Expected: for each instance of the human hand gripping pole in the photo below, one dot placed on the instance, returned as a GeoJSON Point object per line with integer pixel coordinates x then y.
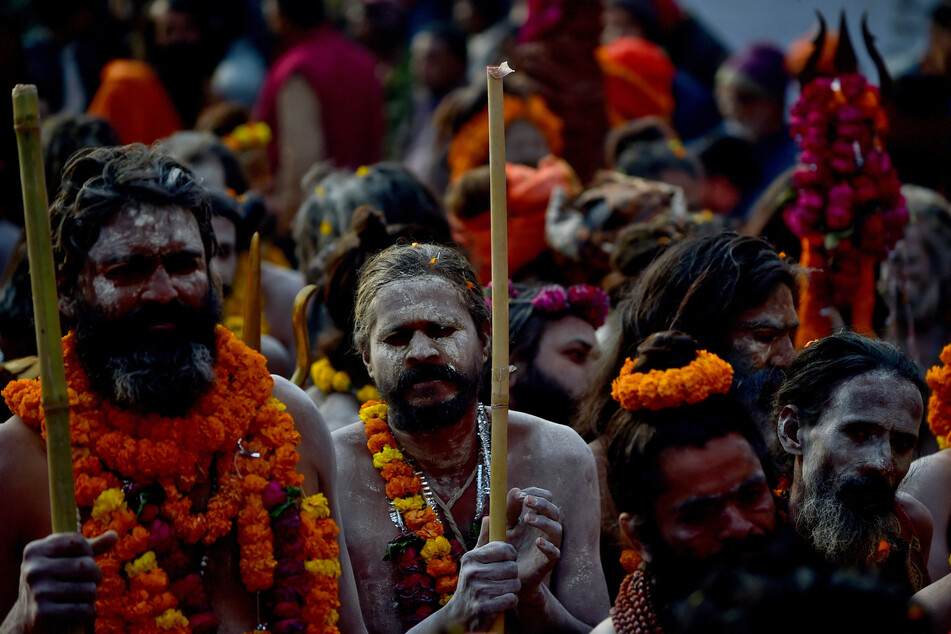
{"type": "Point", "coordinates": [500, 310]}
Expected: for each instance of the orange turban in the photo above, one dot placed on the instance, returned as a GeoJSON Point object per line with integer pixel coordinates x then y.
{"type": "Point", "coordinates": [638, 79]}
{"type": "Point", "coordinates": [528, 191]}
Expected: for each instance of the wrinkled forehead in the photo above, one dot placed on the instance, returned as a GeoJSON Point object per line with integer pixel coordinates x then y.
{"type": "Point", "coordinates": [422, 298]}
{"type": "Point", "coordinates": [879, 397]}
{"type": "Point", "coordinates": [144, 229]}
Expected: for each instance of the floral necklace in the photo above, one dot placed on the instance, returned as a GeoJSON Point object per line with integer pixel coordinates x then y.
{"type": "Point", "coordinates": [427, 563]}
{"type": "Point", "coordinates": [137, 474]}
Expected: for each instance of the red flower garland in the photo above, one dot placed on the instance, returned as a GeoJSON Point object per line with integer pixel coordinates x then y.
{"type": "Point", "coordinates": [133, 474]}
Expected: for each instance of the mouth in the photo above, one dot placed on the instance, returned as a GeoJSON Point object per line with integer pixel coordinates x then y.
{"type": "Point", "coordinates": [433, 390]}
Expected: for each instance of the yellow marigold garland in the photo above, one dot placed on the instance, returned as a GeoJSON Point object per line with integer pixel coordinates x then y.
{"type": "Point", "coordinates": [439, 556]}
{"type": "Point", "coordinates": [161, 460]}
{"type": "Point", "coordinates": [939, 403]}
{"type": "Point", "coordinates": [658, 389]}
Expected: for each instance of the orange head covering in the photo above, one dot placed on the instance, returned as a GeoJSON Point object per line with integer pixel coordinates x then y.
{"type": "Point", "coordinates": [528, 191]}
{"type": "Point", "coordinates": [638, 79]}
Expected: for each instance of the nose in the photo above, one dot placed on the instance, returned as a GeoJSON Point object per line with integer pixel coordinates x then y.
{"type": "Point", "coordinates": [880, 458]}
{"type": "Point", "coordinates": [783, 352]}
{"type": "Point", "coordinates": [159, 287]}
{"type": "Point", "coordinates": [421, 348]}
{"type": "Point", "coordinates": [734, 524]}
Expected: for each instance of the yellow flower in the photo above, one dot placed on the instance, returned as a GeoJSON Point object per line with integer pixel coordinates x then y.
{"type": "Point", "coordinates": [373, 411]}
{"type": "Point", "coordinates": [325, 567]}
{"type": "Point", "coordinates": [108, 501]}
{"type": "Point", "coordinates": [341, 382]}
{"type": "Point", "coordinates": [315, 506]}
{"type": "Point", "coordinates": [276, 404]}
{"type": "Point", "coordinates": [389, 454]}
{"type": "Point", "coordinates": [444, 599]}
{"type": "Point", "coordinates": [438, 547]}
{"type": "Point", "coordinates": [322, 373]}
{"type": "Point", "coordinates": [326, 228]}
{"type": "Point", "coordinates": [412, 503]}
{"type": "Point", "coordinates": [332, 618]}
{"type": "Point", "coordinates": [171, 619]}
{"type": "Point", "coordinates": [144, 563]}
{"type": "Point", "coordinates": [368, 393]}
{"type": "Point", "coordinates": [362, 171]}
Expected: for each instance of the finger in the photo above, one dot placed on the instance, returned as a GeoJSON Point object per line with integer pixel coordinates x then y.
{"type": "Point", "coordinates": [514, 504]}
{"type": "Point", "coordinates": [537, 492]}
{"type": "Point", "coordinates": [496, 572]}
{"type": "Point", "coordinates": [58, 545]}
{"type": "Point", "coordinates": [551, 552]}
{"type": "Point", "coordinates": [74, 569]}
{"type": "Point", "coordinates": [65, 613]}
{"type": "Point", "coordinates": [491, 553]}
{"type": "Point", "coordinates": [550, 527]}
{"type": "Point", "coordinates": [483, 532]}
{"type": "Point", "coordinates": [69, 592]}
{"type": "Point", "coordinates": [103, 543]}
{"type": "Point", "coordinates": [543, 507]}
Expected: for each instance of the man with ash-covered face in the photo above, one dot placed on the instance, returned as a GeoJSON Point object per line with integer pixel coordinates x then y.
{"type": "Point", "coordinates": [168, 412]}
{"type": "Point", "coordinates": [849, 414]}
{"type": "Point", "coordinates": [422, 327]}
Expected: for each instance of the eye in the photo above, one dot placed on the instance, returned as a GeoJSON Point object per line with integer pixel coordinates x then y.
{"type": "Point", "coordinates": [766, 336]}
{"type": "Point", "coordinates": [397, 338]}
{"type": "Point", "coordinates": [181, 264]}
{"type": "Point", "coordinates": [437, 332]}
{"type": "Point", "coordinates": [577, 355]}
{"type": "Point", "coordinates": [904, 443]}
{"type": "Point", "coordinates": [750, 495]}
{"type": "Point", "coordinates": [129, 270]}
{"type": "Point", "coordinates": [700, 513]}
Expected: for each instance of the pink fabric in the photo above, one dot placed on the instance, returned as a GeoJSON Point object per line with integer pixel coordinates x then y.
{"type": "Point", "coordinates": [343, 76]}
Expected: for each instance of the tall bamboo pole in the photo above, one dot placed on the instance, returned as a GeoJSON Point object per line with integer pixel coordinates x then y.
{"type": "Point", "coordinates": [251, 328]}
{"type": "Point", "coordinates": [45, 309]}
{"type": "Point", "coordinates": [500, 310]}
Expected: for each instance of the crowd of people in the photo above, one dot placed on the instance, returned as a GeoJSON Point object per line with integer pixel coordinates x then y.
{"type": "Point", "coordinates": [729, 361]}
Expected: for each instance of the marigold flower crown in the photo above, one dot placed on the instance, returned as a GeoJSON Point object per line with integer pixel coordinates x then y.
{"type": "Point", "coordinates": [707, 374]}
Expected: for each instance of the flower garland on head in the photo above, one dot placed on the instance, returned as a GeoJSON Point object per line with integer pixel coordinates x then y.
{"type": "Point", "coordinates": [658, 389]}
{"type": "Point", "coordinates": [939, 403]}
{"type": "Point", "coordinates": [427, 563]}
{"type": "Point", "coordinates": [848, 209]}
{"type": "Point", "coordinates": [328, 380]}
{"type": "Point", "coordinates": [590, 303]}
{"type": "Point", "coordinates": [136, 473]}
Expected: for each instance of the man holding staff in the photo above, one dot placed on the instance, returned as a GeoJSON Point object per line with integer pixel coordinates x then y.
{"type": "Point", "coordinates": [198, 475]}
{"type": "Point", "coordinates": [415, 470]}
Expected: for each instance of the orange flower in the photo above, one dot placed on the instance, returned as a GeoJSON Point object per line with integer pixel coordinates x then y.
{"type": "Point", "coordinates": [707, 374]}
{"type": "Point", "coordinates": [441, 566]}
{"type": "Point", "coordinates": [447, 585]}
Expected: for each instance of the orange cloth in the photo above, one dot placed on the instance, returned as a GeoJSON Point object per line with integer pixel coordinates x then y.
{"type": "Point", "coordinates": [528, 191]}
{"type": "Point", "coordinates": [133, 99]}
{"type": "Point", "coordinates": [638, 79]}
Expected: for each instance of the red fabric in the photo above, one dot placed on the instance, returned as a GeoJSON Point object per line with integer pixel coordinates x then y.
{"type": "Point", "coordinates": [133, 99]}
{"type": "Point", "coordinates": [528, 191]}
{"type": "Point", "coordinates": [343, 76]}
{"type": "Point", "coordinates": [638, 79]}
{"type": "Point", "coordinates": [917, 566]}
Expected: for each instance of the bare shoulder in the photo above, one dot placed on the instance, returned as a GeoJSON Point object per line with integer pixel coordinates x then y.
{"type": "Point", "coordinates": [350, 443]}
{"type": "Point", "coordinates": [919, 515]}
{"type": "Point", "coordinates": [282, 280]}
{"type": "Point", "coordinates": [554, 441]}
{"type": "Point", "coordinates": [316, 448]}
{"type": "Point", "coordinates": [22, 455]}
{"type": "Point", "coordinates": [926, 479]}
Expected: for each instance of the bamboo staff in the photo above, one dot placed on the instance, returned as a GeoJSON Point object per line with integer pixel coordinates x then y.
{"type": "Point", "coordinates": [251, 328]}
{"type": "Point", "coordinates": [301, 337]}
{"type": "Point", "coordinates": [45, 309]}
{"type": "Point", "coordinates": [500, 310]}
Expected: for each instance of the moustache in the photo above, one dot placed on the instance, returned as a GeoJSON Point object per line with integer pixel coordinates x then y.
{"type": "Point", "coordinates": [424, 373]}
{"type": "Point", "coordinates": [869, 494]}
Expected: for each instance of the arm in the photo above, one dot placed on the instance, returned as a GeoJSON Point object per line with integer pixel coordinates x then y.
{"type": "Point", "coordinates": [50, 582]}
{"type": "Point", "coordinates": [319, 468]}
{"type": "Point", "coordinates": [926, 483]}
{"type": "Point", "coordinates": [301, 143]}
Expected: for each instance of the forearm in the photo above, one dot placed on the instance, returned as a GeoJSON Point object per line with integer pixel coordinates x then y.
{"type": "Point", "coordinates": [543, 612]}
{"type": "Point", "coordinates": [15, 621]}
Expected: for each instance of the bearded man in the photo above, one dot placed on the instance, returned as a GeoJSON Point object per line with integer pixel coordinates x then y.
{"type": "Point", "coordinates": [849, 414]}
{"type": "Point", "coordinates": [192, 464]}
{"type": "Point", "coordinates": [415, 472]}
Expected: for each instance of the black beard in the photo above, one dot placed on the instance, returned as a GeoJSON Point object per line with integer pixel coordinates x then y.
{"type": "Point", "coordinates": [846, 523]}
{"type": "Point", "coordinates": [411, 418]}
{"type": "Point", "coordinates": [538, 394]}
{"type": "Point", "coordinates": [148, 371]}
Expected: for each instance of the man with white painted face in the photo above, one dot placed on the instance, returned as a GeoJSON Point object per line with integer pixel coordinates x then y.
{"type": "Point", "coordinates": [416, 470]}
{"type": "Point", "coordinates": [197, 473]}
{"type": "Point", "coordinates": [849, 414]}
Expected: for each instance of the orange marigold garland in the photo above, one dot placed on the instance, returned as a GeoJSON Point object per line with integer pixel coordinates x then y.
{"type": "Point", "coordinates": [658, 389]}
{"type": "Point", "coordinates": [427, 562]}
{"type": "Point", "coordinates": [939, 403]}
{"type": "Point", "coordinates": [134, 474]}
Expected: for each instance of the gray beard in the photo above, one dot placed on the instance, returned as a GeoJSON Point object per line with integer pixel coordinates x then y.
{"type": "Point", "coordinates": [838, 532]}
{"type": "Point", "coordinates": [135, 382]}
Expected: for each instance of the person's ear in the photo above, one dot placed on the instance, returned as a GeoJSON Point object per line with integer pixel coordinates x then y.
{"type": "Point", "coordinates": [485, 334]}
{"type": "Point", "coordinates": [789, 428]}
{"type": "Point", "coordinates": [365, 353]}
{"type": "Point", "coordinates": [630, 533]}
